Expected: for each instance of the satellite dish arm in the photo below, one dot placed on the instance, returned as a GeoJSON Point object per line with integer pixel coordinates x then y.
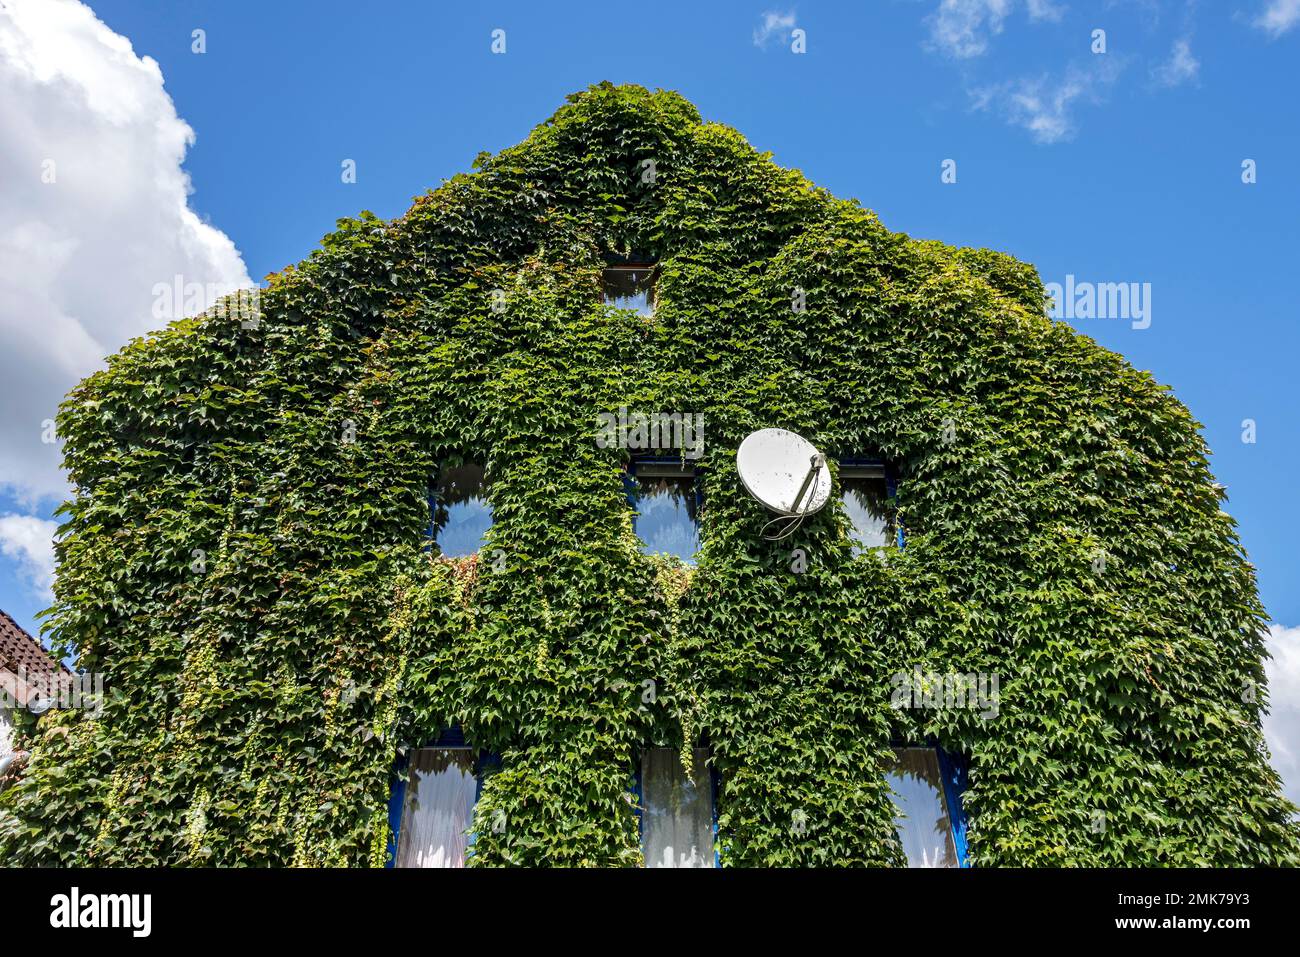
{"type": "Point", "coordinates": [815, 465]}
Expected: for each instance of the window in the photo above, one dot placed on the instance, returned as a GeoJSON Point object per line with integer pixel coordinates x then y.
{"type": "Point", "coordinates": [437, 808]}
{"type": "Point", "coordinates": [864, 490]}
{"type": "Point", "coordinates": [926, 786]}
{"type": "Point", "coordinates": [677, 812]}
{"type": "Point", "coordinates": [462, 513]}
{"type": "Point", "coordinates": [630, 286]}
{"type": "Point", "coordinates": [666, 497]}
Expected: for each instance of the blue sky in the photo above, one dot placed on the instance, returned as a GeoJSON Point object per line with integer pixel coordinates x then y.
{"type": "Point", "coordinates": [1123, 166]}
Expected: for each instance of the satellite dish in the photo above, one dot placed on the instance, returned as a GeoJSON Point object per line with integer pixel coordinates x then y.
{"type": "Point", "coordinates": [785, 472]}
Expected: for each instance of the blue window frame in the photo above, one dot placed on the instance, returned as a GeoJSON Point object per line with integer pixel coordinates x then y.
{"type": "Point", "coordinates": [666, 495]}
{"type": "Point", "coordinates": [677, 816]}
{"type": "Point", "coordinates": [431, 806]}
{"type": "Point", "coordinates": [460, 513]}
{"type": "Point", "coordinates": [954, 770]}
{"type": "Point", "coordinates": [926, 784]}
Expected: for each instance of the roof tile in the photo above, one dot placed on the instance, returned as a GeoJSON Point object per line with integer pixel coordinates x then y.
{"type": "Point", "coordinates": [18, 650]}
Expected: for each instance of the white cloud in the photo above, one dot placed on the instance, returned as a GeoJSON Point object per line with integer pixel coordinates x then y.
{"type": "Point", "coordinates": [1282, 723]}
{"type": "Point", "coordinates": [1180, 67]}
{"type": "Point", "coordinates": [82, 254]}
{"type": "Point", "coordinates": [1279, 16]}
{"type": "Point", "coordinates": [961, 28]}
{"type": "Point", "coordinates": [774, 24]}
{"type": "Point", "coordinates": [1045, 10]}
{"type": "Point", "coordinates": [29, 541]}
{"type": "Point", "coordinates": [1045, 105]}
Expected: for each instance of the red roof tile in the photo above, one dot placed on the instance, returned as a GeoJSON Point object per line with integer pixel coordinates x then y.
{"type": "Point", "coordinates": [20, 650]}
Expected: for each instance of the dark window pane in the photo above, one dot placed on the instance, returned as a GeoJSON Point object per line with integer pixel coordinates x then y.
{"type": "Point", "coordinates": [439, 808]}
{"type": "Point", "coordinates": [677, 812]}
{"type": "Point", "coordinates": [923, 822]}
{"type": "Point", "coordinates": [463, 513]}
{"type": "Point", "coordinates": [866, 500]}
{"type": "Point", "coordinates": [630, 287]}
{"type": "Point", "coordinates": [666, 519]}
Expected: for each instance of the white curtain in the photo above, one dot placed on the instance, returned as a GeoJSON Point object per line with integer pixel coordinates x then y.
{"type": "Point", "coordinates": [439, 808]}
{"type": "Point", "coordinates": [677, 811]}
{"type": "Point", "coordinates": [6, 732]}
{"type": "Point", "coordinates": [865, 501]}
{"type": "Point", "coordinates": [923, 823]}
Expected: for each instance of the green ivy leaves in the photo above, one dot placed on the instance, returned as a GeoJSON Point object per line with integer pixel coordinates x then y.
{"type": "Point", "coordinates": [258, 705]}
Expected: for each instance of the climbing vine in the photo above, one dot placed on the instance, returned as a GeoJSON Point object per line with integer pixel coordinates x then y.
{"type": "Point", "coordinates": [246, 561]}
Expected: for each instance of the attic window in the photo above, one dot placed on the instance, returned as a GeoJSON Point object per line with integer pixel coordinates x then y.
{"type": "Point", "coordinates": [630, 286]}
{"type": "Point", "coordinates": [865, 494]}
{"type": "Point", "coordinates": [462, 513]}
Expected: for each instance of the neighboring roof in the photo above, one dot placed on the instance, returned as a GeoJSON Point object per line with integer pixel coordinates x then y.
{"type": "Point", "coordinates": [20, 650]}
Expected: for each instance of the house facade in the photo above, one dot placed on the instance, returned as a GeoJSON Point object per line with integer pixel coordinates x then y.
{"type": "Point", "coordinates": [420, 566]}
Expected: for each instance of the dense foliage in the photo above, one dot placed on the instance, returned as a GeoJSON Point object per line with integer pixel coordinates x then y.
{"type": "Point", "coordinates": [246, 558]}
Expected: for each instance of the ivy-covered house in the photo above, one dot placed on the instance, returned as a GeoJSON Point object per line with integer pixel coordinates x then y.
{"type": "Point", "coordinates": [441, 557]}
